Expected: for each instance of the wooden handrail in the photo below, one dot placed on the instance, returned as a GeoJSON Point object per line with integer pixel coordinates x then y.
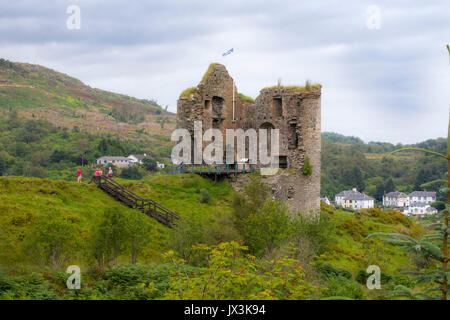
{"type": "Point", "coordinates": [147, 206]}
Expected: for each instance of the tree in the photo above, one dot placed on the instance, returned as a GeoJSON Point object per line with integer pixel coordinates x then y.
{"type": "Point", "coordinates": [389, 186]}
{"type": "Point", "coordinates": [354, 178]}
{"type": "Point", "coordinates": [421, 178]}
{"type": "Point", "coordinates": [52, 240]}
{"type": "Point", "coordinates": [138, 229]}
{"type": "Point", "coordinates": [263, 223]}
{"type": "Point", "coordinates": [149, 164]}
{"type": "Point", "coordinates": [132, 173]}
{"type": "Point", "coordinates": [267, 228]}
{"type": "Point", "coordinates": [109, 236]}
{"type": "Point", "coordinates": [379, 188]}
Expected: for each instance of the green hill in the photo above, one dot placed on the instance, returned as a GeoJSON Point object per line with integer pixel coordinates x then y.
{"type": "Point", "coordinates": [348, 162]}
{"type": "Point", "coordinates": [340, 254]}
{"type": "Point", "coordinates": [38, 92]}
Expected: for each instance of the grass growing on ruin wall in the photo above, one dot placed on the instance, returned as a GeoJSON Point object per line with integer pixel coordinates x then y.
{"type": "Point", "coordinates": [245, 98]}
{"type": "Point", "coordinates": [307, 87]}
{"type": "Point", "coordinates": [186, 93]}
{"type": "Point", "coordinates": [210, 70]}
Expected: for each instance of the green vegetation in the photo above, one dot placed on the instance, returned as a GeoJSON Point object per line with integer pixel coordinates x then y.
{"type": "Point", "coordinates": [210, 70]}
{"type": "Point", "coordinates": [71, 223]}
{"type": "Point", "coordinates": [348, 162]}
{"type": "Point", "coordinates": [307, 87]}
{"type": "Point", "coordinates": [307, 167]}
{"type": "Point", "coordinates": [245, 98]}
{"type": "Point", "coordinates": [187, 93]}
{"type": "Point", "coordinates": [431, 246]}
{"type": "Point", "coordinates": [32, 87]}
{"type": "Point", "coordinates": [36, 148]}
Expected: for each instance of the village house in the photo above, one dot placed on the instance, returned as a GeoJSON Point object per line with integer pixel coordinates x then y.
{"type": "Point", "coordinates": [415, 203]}
{"type": "Point", "coordinates": [419, 209]}
{"type": "Point", "coordinates": [354, 199]}
{"type": "Point", "coordinates": [421, 197]}
{"type": "Point", "coordinates": [160, 165]}
{"type": "Point", "coordinates": [119, 162]}
{"type": "Point", "coordinates": [395, 199]}
{"type": "Point", "coordinates": [137, 158]}
{"type": "Point", "coordinates": [326, 200]}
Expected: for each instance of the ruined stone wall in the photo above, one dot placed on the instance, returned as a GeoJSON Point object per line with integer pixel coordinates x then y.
{"type": "Point", "coordinates": [294, 111]}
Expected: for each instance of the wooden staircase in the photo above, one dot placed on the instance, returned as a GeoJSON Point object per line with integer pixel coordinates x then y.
{"type": "Point", "coordinates": [147, 206]}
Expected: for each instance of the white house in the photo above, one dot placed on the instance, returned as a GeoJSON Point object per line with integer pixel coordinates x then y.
{"type": "Point", "coordinates": [421, 197]}
{"type": "Point", "coordinates": [419, 209]}
{"type": "Point", "coordinates": [395, 199]}
{"type": "Point", "coordinates": [326, 200]}
{"type": "Point", "coordinates": [354, 199]}
{"type": "Point", "coordinates": [160, 165]}
{"type": "Point", "coordinates": [137, 158]}
{"type": "Point", "coordinates": [119, 162]}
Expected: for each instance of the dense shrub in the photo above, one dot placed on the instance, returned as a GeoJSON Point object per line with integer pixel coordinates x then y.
{"type": "Point", "coordinates": [132, 173]}
{"type": "Point", "coordinates": [328, 271]}
{"type": "Point", "coordinates": [205, 197]}
{"type": "Point", "coordinates": [355, 228]}
{"type": "Point", "coordinates": [30, 287]}
{"type": "Point", "coordinates": [342, 287]}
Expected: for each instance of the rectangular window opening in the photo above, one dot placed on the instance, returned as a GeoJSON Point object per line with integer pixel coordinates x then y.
{"type": "Point", "coordinates": [277, 107]}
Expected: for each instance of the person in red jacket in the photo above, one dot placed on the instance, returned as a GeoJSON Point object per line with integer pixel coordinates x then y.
{"type": "Point", "coordinates": [79, 174]}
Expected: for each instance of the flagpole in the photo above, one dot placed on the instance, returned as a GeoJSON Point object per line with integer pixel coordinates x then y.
{"type": "Point", "coordinates": [224, 55]}
{"type": "Point", "coordinates": [233, 99]}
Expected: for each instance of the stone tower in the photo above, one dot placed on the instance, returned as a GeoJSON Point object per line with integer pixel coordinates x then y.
{"type": "Point", "coordinates": [294, 110]}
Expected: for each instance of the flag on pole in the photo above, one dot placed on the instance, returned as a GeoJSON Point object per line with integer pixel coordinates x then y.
{"type": "Point", "coordinates": [228, 52]}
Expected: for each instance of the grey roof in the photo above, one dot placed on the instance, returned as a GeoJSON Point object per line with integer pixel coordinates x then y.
{"type": "Point", "coordinates": [353, 195]}
{"type": "Point", "coordinates": [395, 194]}
{"type": "Point", "coordinates": [113, 158]}
{"type": "Point", "coordinates": [422, 194]}
{"type": "Point", "coordinates": [344, 193]}
{"type": "Point", "coordinates": [139, 156]}
{"type": "Point", "coordinates": [431, 209]}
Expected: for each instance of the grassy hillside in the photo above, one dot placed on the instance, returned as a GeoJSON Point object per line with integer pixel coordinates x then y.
{"type": "Point", "coordinates": [36, 148]}
{"type": "Point", "coordinates": [39, 92]}
{"type": "Point", "coordinates": [24, 200]}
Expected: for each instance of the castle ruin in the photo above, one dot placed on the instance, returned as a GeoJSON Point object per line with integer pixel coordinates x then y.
{"type": "Point", "coordinates": [294, 110]}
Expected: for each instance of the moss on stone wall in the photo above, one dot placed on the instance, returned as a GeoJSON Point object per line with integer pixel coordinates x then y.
{"type": "Point", "coordinates": [210, 70]}
{"type": "Point", "coordinates": [245, 98]}
{"type": "Point", "coordinates": [307, 87]}
{"type": "Point", "coordinates": [307, 167]}
{"type": "Point", "coordinates": [186, 93]}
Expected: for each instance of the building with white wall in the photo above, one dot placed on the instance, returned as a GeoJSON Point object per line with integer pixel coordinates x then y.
{"type": "Point", "coordinates": [395, 199]}
{"type": "Point", "coordinates": [421, 197]}
{"type": "Point", "coordinates": [419, 209]}
{"type": "Point", "coordinates": [119, 162]}
{"type": "Point", "coordinates": [354, 199]}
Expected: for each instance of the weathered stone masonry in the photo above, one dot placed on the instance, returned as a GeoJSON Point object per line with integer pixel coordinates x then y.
{"type": "Point", "coordinates": [295, 111]}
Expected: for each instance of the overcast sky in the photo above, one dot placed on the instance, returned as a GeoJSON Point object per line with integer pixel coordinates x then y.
{"type": "Point", "coordinates": [383, 79]}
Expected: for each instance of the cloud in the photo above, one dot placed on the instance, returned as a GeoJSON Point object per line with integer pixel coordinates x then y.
{"type": "Point", "coordinates": [389, 84]}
